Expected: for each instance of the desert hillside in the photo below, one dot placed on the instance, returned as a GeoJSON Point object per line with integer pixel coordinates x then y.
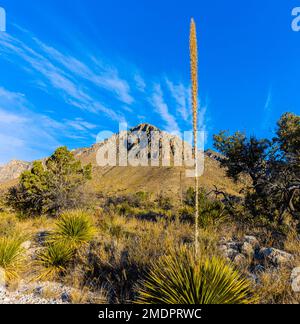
{"type": "Point", "coordinates": [74, 232]}
{"type": "Point", "coordinates": [169, 180]}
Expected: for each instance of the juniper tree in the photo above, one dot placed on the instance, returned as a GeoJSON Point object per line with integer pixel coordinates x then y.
{"type": "Point", "coordinates": [272, 168]}
{"type": "Point", "coordinates": [50, 187]}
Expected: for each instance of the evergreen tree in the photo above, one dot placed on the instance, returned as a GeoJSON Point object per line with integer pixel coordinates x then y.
{"type": "Point", "coordinates": [51, 187]}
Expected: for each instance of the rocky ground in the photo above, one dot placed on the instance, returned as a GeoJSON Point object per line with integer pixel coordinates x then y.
{"type": "Point", "coordinates": [246, 253]}
{"type": "Point", "coordinates": [46, 293]}
{"type": "Point", "coordinates": [249, 254]}
{"type": "Point", "coordinates": [16, 298]}
{"type": "Point", "coordinates": [37, 293]}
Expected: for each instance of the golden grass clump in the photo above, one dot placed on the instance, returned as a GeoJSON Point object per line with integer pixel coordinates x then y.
{"type": "Point", "coordinates": [11, 256]}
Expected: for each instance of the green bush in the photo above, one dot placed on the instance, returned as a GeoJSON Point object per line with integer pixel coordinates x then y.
{"type": "Point", "coordinates": [164, 202]}
{"type": "Point", "coordinates": [74, 228]}
{"type": "Point", "coordinates": [211, 212]}
{"type": "Point", "coordinates": [180, 279]}
{"type": "Point", "coordinates": [187, 214]}
{"type": "Point", "coordinates": [271, 168]}
{"type": "Point", "coordinates": [51, 187]}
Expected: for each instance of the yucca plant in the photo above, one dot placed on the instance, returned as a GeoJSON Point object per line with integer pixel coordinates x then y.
{"type": "Point", "coordinates": [74, 228]}
{"type": "Point", "coordinates": [54, 260]}
{"type": "Point", "coordinates": [11, 256]}
{"type": "Point", "coordinates": [180, 279]}
{"type": "Point", "coordinates": [194, 77]}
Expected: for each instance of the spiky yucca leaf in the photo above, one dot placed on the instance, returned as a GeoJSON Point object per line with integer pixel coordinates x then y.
{"type": "Point", "coordinates": [54, 260]}
{"type": "Point", "coordinates": [74, 228]}
{"type": "Point", "coordinates": [11, 256]}
{"type": "Point", "coordinates": [179, 279]}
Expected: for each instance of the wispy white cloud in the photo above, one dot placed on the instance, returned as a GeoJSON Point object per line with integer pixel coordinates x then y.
{"type": "Point", "coordinates": [269, 99]}
{"type": "Point", "coordinates": [267, 111]}
{"type": "Point", "coordinates": [89, 83]}
{"type": "Point", "coordinates": [27, 135]}
{"type": "Point", "coordinates": [105, 77]}
{"type": "Point", "coordinates": [80, 124]}
{"type": "Point", "coordinates": [182, 96]}
{"type": "Point", "coordinates": [140, 82]}
{"type": "Point", "coordinates": [10, 96]}
{"type": "Point", "coordinates": [8, 118]}
{"type": "Point", "coordinates": [22, 134]}
{"type": "Point", "coordinates": [203, 119]}
{"type": "Point", "coordinates": [53, 69]}
{"type": "Point", "coordinates": [162, 109]}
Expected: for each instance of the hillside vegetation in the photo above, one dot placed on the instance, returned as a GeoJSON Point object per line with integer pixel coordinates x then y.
{"type": "Point", "coordinates": [72, 232]}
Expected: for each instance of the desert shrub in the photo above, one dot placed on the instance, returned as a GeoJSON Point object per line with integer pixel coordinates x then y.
{"type": "Point", "coordinates": [3, 206]}
{"type": "Point", "coordinates": [51, 187]}
{"type": "Point", "coordinates": [74, 228]}
{"type": "Point", "coordinates": [180, 279]}
{"type": "Point", "coordinates": [209, 240]}
{"type": "Point", "coordinates": [152, 214]}
{"type": "Point", "coordinates": [125, 209]}
{"type": "Point", "coordinates": [127, 204]}
{"type": "Point", "coordinates": [189, 199]}
{"type": "Point", "coordinates": [164, 202]}
{"type": "Point", "coordinates": [155, 215]}
{"type": "Point", "coordinates": [187, 214]}
{"type": "Point", "coordinates": [117, 227]}
{"type": "Point", "coordinates": [142, 196]}
{"type": "Point", "coordinates": [211, 211]}
{"type": "Point", "coordinates": [54, 260]}
{"type": "Point", "coordinates": [11, 256]}
{"type": "Point", "coordinates": [124, 249]}
{"type": "Point", "coordinates": [271, 168]}
{"type": "Point", "coordinates": [107, 266]}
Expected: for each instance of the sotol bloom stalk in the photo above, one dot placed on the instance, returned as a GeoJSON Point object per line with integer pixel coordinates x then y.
{"type": "Point", "coordinates": [194, 76]}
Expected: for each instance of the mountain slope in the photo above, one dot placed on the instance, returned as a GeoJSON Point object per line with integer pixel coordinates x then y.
{"type": "Point", "coordinates": [13, 170]}
{"type": "Point", "coordinates": [170, 180]}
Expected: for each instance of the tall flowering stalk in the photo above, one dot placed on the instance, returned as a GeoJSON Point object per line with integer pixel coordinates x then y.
{"type": "Point", "coordinates": [194, 76]}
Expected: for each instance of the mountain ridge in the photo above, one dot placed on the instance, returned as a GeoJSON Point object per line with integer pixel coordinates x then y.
{"type": "Point", "coordinates": [13, 169]}
{"type": "Point", "coordinates": [111, 179]}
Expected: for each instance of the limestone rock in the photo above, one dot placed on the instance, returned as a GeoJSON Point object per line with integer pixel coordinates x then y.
{"type": "Point", "coordinates": [26, 245]}
{"type": "Point", "coordinates": [230, 253]}
{"type": "Point", "coordinates": [252, 240]}
{"type": "Point", "coordinates": [240, 260]}
{"type": "Point", "coordinates": [13, 170]}
{"type": "Point", "coordinates": [2, 280]}
{"type": "Point", "coordinates": [247, 250]}
{"type": "Point", "coordinates": [274, 256]}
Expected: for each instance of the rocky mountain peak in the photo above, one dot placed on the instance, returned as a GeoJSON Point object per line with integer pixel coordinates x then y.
{"type": "Point", "coordinates": [144, 128]}
{"type": "Point", "coordinates": [13, 170]}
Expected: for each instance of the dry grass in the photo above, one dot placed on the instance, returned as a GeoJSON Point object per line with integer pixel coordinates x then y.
{"type": "Point", "coordinates": [119, 256]}
{"type": "Point", "coordinates": [275, 287]}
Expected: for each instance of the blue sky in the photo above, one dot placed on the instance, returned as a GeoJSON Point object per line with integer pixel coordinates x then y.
{"type": "Point", "coordinates": [70, 69]}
